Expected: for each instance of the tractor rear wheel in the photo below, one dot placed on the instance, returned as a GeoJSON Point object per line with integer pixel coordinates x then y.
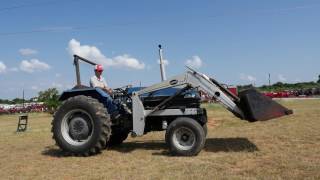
{"type": "Point", "coordinates": [81, 126]}
{"type": "Point", "coordinates": [205, 129]}
{"type": "Point", "coordinates": [185, 137]}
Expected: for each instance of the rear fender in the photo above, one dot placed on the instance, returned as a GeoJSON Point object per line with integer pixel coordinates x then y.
{"type": "Point", "coordinates": [96, 93]}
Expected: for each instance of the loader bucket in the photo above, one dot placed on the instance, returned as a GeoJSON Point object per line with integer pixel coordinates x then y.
{"type": "Point", "coordinates": [258, 107]}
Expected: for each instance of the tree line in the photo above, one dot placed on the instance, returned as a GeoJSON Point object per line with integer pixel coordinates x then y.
{"type": "Point", "coordinates": [49, 97]}
{"type": "Point", "coordinates": [280, 86]}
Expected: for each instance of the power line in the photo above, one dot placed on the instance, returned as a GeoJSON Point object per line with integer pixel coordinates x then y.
{"type": "Point", "coordinates": [54, 29]}
{"type": "Point", "coordinates": [28, 32]}
{"type": "Point", "coordinates": [71, 29]}
{"type": "Point", "coordinates": [33, 4]}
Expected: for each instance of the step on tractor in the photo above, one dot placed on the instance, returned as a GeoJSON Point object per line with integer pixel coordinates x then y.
{"type": "Point", "coordinates": [90, 120]}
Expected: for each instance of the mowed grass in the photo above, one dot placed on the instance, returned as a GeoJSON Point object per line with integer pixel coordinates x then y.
{"type": "Point", "coordinates": [285, 148]}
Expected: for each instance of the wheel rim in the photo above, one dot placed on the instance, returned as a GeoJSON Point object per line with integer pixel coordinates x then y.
{"type": "Point", "coordinates": [184, 138]}
{"type": "Point", "coordinates": [77, 127]}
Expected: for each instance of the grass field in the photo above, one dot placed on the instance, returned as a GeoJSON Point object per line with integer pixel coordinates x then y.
{"type": "Point", "coordinates": [285, 148]}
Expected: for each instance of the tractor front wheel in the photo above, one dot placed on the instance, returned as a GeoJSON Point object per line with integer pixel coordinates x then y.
{"type": "Point", "coordinates": [185, 137]}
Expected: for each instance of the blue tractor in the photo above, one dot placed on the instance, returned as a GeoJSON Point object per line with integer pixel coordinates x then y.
{"type": "Point", "coordinates": [89, 119]}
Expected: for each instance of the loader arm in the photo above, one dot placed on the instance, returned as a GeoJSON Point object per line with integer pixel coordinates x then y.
{"type": "Point", "coordinates": [192, 79]}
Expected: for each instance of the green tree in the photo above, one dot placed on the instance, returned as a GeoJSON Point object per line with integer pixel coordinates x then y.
{"type": "Point", "coordinates": [18, 101]}
{"type": "Point", "coordinates": [5, 101]}
{"type": "Point", "coordinates": [50, 97]}
{"type": "Point", "coordinates": [318, 79]}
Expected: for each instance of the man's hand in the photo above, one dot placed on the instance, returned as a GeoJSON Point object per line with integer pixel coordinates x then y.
{"type": "Point", "coordinates": [108, 90]}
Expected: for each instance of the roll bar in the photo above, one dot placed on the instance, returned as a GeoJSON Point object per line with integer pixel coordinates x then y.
{"type": "Point", "coordinates": [77, 67]}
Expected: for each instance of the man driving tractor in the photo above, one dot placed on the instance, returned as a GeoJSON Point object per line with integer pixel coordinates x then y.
{"type": "Point", "coordinates": [98, 81]}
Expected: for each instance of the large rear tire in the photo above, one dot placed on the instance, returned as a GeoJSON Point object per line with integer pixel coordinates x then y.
{"type": "Point", "coordinates": [205, 129]}
{"type": "Point", "coordinates": [185, 137]}
{"type": "Point", "coordinates": [81, 126]}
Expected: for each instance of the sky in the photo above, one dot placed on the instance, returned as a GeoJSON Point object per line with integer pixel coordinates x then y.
{"type": "Point", "coordinates": [235, 42]}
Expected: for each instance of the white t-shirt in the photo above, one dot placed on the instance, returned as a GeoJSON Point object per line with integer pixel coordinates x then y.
{"type": "Point", "coordinates": [95, 82]}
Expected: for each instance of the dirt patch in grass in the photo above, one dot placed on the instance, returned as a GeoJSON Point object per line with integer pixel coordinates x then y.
{"type": "Point", "coordinates": [285, 148]}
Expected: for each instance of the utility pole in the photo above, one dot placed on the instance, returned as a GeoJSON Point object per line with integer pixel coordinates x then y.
{"type": "Point", "coordinates": [162, 70]}
{"type": "Point", "coordinates": [23, 98]}
{"type": "Point", "coordinates": [269, 80]}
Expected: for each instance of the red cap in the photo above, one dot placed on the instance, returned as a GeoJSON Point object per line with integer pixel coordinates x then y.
{"type": "Point", "coordinates": [98, 68]}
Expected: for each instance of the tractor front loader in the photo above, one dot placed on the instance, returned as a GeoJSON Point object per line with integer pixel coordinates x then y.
{"type": "Point", "coordinates": [86, 122]}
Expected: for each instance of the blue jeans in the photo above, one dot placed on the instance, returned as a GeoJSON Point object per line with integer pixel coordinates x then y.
{"type": "Point", "coordinates": [107, 101]}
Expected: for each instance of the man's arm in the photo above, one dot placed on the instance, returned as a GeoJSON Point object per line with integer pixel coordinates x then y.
{"type": "Point", "coordinates": [95, 84]}
{"type": "Point", "coordinates": [109, 90]}
{"type": "Point", "coordinates": [92, 83]}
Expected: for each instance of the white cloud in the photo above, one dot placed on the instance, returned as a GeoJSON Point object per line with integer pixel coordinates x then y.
{"type": "Point", "coordinates": [58, 75]}
{"type": "Point", "coordinates": [251, 78]}
{"type": "Point", "coordinates": [14, 69]}
{"type": "Point", "coordinates": [194, 62]}
{"type": "Point", "coordinates": [27, 51]}
{"type": "Point", "coordinates": [165, 62]}
{"type": "Point", "coordinates": [127, 61]}
{"type": "Point", "coordinates": [57, 28]}
{"type": "Point", "coordinates": [93, 53]}
{"type": "Point", "coordinates": [57, 85]}
{"type": "Point", "coordinates": [33, 65]}
{"type": "Point", "coordinates": [3, 67]}
{"type": "Point", "coordinates": [297, 80]}
{"type": "Point", "coordinates": [247, 77]}
{"type": "Point", "coordinates": [34, 88]}
{"type": "Point", "coordinates": [61, 86]}
{"type": "Point", "coordinates": [281, 78]}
